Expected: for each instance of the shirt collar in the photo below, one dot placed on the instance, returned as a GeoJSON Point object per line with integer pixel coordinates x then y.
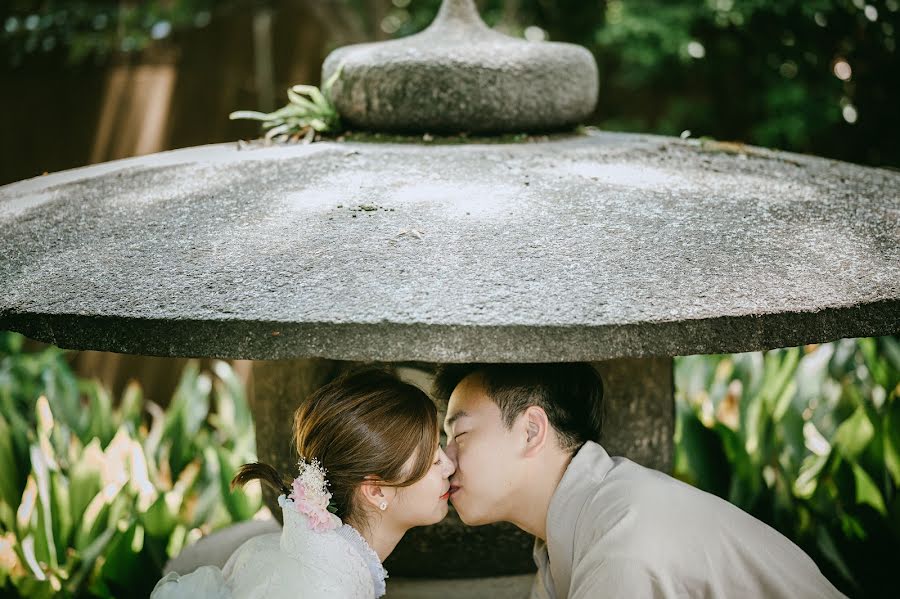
{"type": "Point", "coordinates": [587, 469]}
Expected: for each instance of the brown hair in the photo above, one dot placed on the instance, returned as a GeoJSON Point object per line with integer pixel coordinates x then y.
{"type": "Point", "coordinates": [363, 423]}
{"type": "Point", "coordinates": [571, 394]}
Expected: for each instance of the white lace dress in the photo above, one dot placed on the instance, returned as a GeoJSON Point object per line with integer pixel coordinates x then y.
{"type": "Point", "coordinates": [296, 563]}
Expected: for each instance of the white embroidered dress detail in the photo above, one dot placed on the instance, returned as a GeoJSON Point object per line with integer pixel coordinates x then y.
{"type": "Point", "coordinates": [315, 556]}
{"type": "Point", "coordinates": [376, 569]}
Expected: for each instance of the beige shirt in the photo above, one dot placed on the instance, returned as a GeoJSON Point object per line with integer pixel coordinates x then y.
{"type": "Point", "coordinates": [617, 529]}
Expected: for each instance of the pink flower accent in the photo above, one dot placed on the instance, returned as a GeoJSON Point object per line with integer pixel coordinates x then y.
{"type": "Point", "coordinates": [310, 496]}
{"type": "Point", "coordinates": [299, 491]}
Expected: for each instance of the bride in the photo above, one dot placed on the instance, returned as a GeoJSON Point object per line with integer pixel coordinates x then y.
{"type": "Point", "coordinates": [371, 467]}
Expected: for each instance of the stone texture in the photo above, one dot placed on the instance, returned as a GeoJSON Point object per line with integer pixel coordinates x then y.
{"type": "Point", "coordinates": [450, 549]}
{"type": "Point", "coordinates": [499, 587]}
{"type": "Point", "coordinates": [460, 75]}
{"type": "Point", "coordinates": [586, 247]}
{"type": "Point", "coordinates": [279, 386]}
{"type": "Point", "coordinates": [639, 410]}
{"type": "Point", "coordinates": [639, 425]}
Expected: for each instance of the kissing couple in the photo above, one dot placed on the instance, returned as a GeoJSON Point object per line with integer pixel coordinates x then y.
{"type": "Point", "coordinates": [523, 445]}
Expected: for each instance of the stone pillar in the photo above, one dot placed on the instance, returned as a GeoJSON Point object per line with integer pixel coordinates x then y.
{"type": "Point", "coordinates": [640, 410]}
{"type": "Point", "coordinates": [278, 388]}
{"type": "Point", "coordinates": [639, 425]}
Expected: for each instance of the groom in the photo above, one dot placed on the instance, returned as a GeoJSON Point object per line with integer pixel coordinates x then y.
{"type": "Point", "coordinates": [524, 440]}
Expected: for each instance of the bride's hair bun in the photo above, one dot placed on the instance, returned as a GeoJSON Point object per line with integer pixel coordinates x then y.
{"type": "Point", "coordinates": [364, 423]}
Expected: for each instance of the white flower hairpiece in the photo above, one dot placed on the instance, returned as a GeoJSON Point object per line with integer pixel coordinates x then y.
{"type": "Point", "coordinates": [311, 497]}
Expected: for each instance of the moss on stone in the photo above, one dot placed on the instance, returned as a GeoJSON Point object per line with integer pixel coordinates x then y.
{"type": "Point", "coordinates": [460, 138]}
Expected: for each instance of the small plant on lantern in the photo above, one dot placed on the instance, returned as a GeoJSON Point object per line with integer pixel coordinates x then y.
{"type": "Point", "coordinates": [308, 113]}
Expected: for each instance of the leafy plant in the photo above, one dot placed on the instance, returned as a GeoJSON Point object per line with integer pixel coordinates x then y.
{"type": "Point", "coordinates": [96, 496]}
{"type": "Point", "coordinates": [309, 112]}
{"type": "Point", "coordinates": [808, 440]}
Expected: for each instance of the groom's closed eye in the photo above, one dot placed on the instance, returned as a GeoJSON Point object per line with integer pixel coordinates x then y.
{"type": "Point", "coordinates": [451, 420]}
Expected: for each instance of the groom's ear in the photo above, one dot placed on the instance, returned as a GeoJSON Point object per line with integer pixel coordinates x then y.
{"type": "Point", "coordinates": [537, 430]}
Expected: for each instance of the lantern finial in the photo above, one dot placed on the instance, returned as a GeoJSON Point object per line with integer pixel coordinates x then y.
{"type": "Point", "coordinates": [459, 75]}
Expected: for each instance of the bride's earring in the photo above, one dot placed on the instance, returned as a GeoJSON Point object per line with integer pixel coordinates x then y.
{"type": "Point", "coordinates": [383, 506]}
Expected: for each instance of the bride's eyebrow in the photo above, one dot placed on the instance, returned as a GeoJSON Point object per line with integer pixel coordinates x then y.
{"type": "Point", "coordinates": [448, 423]}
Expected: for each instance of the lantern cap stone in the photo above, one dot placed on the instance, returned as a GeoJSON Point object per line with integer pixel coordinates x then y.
{"type": "Point", "coordinates": [459, 75]}
{"type": "Point", "coordinates": [585, 247]}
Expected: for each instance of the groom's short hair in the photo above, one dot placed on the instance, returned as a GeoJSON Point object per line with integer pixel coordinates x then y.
{"type": "Point", "coordinates": [571, 394]}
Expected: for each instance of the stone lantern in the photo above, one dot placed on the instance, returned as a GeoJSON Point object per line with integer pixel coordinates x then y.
{"type": "Point", "coordinates": [619, 249]}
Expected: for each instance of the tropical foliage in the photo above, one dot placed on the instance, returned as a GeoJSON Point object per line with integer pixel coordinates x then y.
{"type": "Point", "coordinates": [808, 440]}
{"type": "Point", "coordinates": [96, 495]}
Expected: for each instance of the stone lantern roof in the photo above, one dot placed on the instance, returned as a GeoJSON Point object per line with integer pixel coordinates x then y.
{"type": "Point", "coordinates": [586, 246]}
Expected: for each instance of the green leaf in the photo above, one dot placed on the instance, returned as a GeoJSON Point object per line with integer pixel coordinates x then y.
{"type": "Point", "coordinates": [701, 457]}
{"type": "Point", "coordinates": [84, 478]}
{"type": "Point", "coordinates": [826, 545]}
{"type": "Point", "coordinates": [252, 115]}
{"type": "Point", "coordinates": [93, 521]}
{"type": "Point", "coordinates": [302, 102]}
{"type": "Point", "coordinates": [154, 437]}
{"type": "Point", "coordinates": [186, 414]}
{"type": "Point", "coordinates": [329, 83]}
{"type": "Point", "coordinates": [279, 130]}
{"type": "Point", "coordinates": [61, 509]}
{"type": "Point", "coordinates": [891, 438]}
{"type": "Point", "coordinates": [100, 409]}
{"type": "Point", "coordinates": [123, 565]}
{"type": "Point", "coordinates": [32, 558]}
{"type": "Point", "coordinates": [866, 490]}
{"type": "Point", "coordinates": [890, 347]}
{"type": "Point", "coordinates": [131, 405]}
{"type": "Point", "coordinates": [313, 92]}
{"type": "Point", "coordinates": [878, 368]}
{"type": "Point", "coordinates": [238, 504]}
{"type": "Point", "coordinates": [45, 543]}
{"type": "Point", "coordinates": [807, 481]}
{"type": "Point", "coordinates": [232, 419]}
{"type": "Point", "coordinates": [783, 401]}
{"type": "Point", "coordinates": [10, 490]}
{"type": "Point", "coordinates": [197, 403]}
{"type": "Point", "coordinates": [854, 434]}
{"type": "Point", "coordinates": [176, 540]}
{"type": "Point", "coordinates": [160, 519]}
{"type": "Point", "coordinates": [11, 343]}
{"type": "Point", "coordinates": [781, 367]}
{"type": "Point", "coordinates": [87, 558]}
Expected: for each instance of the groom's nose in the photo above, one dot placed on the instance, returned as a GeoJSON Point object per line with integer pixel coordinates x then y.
{"type": "Point", "coordinates": [449, 469]}
{"type": "Point", "coordinates": [450, 452]}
